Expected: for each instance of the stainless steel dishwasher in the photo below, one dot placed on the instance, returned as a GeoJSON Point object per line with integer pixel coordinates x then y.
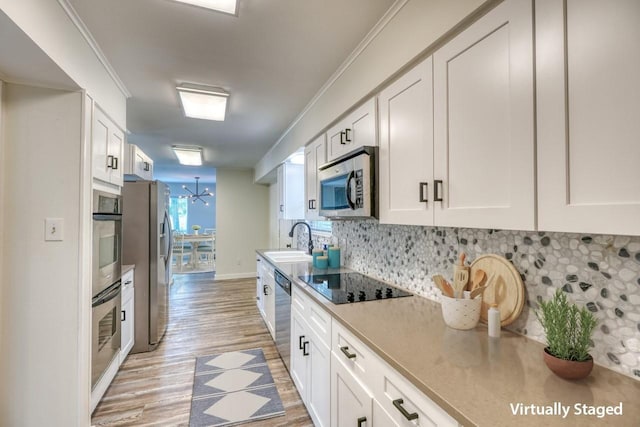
{"type": "Point", "coordinates": [283, 317]}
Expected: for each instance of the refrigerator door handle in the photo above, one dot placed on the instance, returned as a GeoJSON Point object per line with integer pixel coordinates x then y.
{"type": "Point", "coordinates": [167, 258]}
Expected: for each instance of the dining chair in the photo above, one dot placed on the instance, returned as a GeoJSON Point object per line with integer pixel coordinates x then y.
{"type": "Point", "coordinates": [206, 252]}
{"type": "Point", "coordinates": [181, 249]}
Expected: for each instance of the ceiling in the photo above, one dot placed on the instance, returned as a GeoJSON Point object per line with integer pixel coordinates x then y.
{"type": "Point", "coordinates": [272, 58]}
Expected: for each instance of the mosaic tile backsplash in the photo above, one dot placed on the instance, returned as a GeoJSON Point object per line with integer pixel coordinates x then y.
{"type": "Point", "coordinates": [598, 271]}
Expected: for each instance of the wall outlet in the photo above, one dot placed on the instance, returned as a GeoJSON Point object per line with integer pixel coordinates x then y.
{"type": "Point", "coordinates": [54, 229]}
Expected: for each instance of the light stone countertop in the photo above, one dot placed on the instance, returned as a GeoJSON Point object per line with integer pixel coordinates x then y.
{"type": "Point", "coordinates": [126, 269]}
{"type": "Point", "coordinates": [472, 377]}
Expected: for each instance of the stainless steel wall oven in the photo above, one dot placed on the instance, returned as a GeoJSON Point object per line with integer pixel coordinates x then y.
{"type": "Point", "coordinates": [106, 287]}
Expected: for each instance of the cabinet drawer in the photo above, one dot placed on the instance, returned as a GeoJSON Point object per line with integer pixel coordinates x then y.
{"type": "Point", "coordinates": [299, 300]}
{"type": "Point", "coordinates": [356, 356]}
{"type": "Point", "coordinates": [408, 398]}
{"type": "Point", "coordinates": [317, 318]}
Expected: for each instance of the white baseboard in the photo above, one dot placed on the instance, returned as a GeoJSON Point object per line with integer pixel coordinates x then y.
{"type": "Point", "coordinates": [248, 275]}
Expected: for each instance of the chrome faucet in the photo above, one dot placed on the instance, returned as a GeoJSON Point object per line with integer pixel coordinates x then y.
{"type": "Point", "coordinates": [310, 240]}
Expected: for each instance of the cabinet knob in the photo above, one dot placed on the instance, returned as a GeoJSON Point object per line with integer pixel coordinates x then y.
{"type": "Point", "coordinates": [300, 345]}
{"type": "Point", "coordinates": [123, 318]}
{"type": "Point", "coordinates": [361, 421]}
{"type": "Point", "coordinates": [109, 161]}
{"type": "Point", "coordinates": [304, 348]}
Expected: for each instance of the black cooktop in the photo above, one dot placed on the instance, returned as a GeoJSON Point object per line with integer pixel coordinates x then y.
{"type": "Point", "coordinates": [342, 288]}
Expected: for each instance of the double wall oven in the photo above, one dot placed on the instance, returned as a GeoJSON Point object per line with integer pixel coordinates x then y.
{"type": "Point", "coordinates": [106, 286]}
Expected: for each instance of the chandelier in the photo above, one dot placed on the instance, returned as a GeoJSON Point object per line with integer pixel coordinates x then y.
{"type": "Point", "coordinates": [196, 195]}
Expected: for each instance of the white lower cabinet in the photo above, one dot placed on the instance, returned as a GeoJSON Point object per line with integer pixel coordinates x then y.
{"type": "Point", "coordinates": [310, 359]}
{"type": "Point", "coordinates": [266, 294]}
{"type": "Point", "coordinates": [269, 292]}
{"type": "Point", "coordinates": [127, 325]}
{"type": "Point", "coordinates": [351, 402]}
{"type": "Point", "coordinates": [364, 380]}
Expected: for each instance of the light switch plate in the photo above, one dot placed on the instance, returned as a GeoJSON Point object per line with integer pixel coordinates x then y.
{"type": "Point", "coordinates": [54, 229]}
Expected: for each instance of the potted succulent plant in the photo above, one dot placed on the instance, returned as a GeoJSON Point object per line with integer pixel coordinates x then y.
{"type": "Point", "coordinates": [568, 330]}
{"type": "Point", "coordinates": [195, 228]}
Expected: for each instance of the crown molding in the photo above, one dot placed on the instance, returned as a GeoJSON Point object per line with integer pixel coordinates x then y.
{"type": "Point", "coordinates": [86, 34]}
{"type": "Point", "coordinates": [366, 41]}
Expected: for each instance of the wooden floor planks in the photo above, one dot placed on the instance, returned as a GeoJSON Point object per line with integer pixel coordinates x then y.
{"type": "Point", "coordinates": [206, 317]}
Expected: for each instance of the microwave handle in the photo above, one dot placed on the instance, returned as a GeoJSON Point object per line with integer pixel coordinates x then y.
{"type": "Point", "coordinates": [352, 175]}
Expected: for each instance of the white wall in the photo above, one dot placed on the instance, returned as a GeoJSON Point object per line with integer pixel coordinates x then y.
{"type": "Point", "coordinates": [39, 316]}
{"type": "Point", "coordinates": [242, 223]}
{"type": "Point", "coordinates": [48, 25]}
{"type": "Point", "coordinates": [416, 27]}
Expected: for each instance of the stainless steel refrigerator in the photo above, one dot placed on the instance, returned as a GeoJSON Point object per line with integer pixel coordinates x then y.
{"type": "Point", "coordinates": [147, 243]}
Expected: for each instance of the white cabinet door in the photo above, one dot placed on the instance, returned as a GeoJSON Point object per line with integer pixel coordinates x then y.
{"type": "Point", "coordinates": [298, 368]}
{"type": "Point", "coordinates": [260, 291]}
{"type": "Point", "coordinates": [319, 375]}
{"type": "Point", "coordinates": [315, 155]}
{"type": "Point", "coordinates": [381, 418]}
{"type": "Point", "coordinates": [406, 148]}
{"type": "Point", "coordinates": [116, 148]}
{"type": "Point", "coordinates": [100, 145]}
{"type": "Point", "coordinates": [270, 301]}
{"type": "Point", "coordinates": [290, 191]}
{"type": "Point", "coordinates": [351, 403]}
{"type": "Point", "coordinates": [588, 102]}
{"type": "Point", "coordinates": [127, 325]}
{"type": "Point", "coordinates": [484, 123]}
{"type": "Point", "coordinates": [107, 148]}
{"type": "Point", "coordinates": [355, 130]}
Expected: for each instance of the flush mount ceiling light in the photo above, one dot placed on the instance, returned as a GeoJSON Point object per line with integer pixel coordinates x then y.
{"type": "Point", "coordinates": [225, 6]}
{"type": "Point", "coordinates": [188, 156]}
{"type": "Point", "coordinates": [202, 102]}
{"type": "Point", "coordinates": [196, 195]}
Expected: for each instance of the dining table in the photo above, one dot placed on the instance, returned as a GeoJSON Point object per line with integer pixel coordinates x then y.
{"type": "Point", "coordinates": [195, 240]}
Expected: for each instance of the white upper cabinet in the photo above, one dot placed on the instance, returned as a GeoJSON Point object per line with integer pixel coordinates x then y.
{"type": "Point", "coordinates": [315, 155]}
{"type": "Point", "coordinates": [290, 191]}
{"type": "Point", "coordinates": [137, 164]}
{"type": "Point", "coordinates": [484, 123]}
{"type": "Point", "coordinates": [406, 148]}
{"type": "Point", "coordinates": [588, 100]}
{"type": "Point", "coordinates": [355, 130]}
{"type": "Point", "coordinates": [107, 148]}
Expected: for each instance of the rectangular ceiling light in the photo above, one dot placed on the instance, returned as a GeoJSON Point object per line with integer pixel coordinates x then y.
{"type": "Point", "coordinates": [188, 156]}
{"type": "Point", "coordinates": [226, 6]}
{"type": "Point", "coordinates": [201, 102]}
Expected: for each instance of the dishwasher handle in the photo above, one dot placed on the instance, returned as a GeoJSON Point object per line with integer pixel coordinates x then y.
{"type": "Point", "coordinates": [283, 281]}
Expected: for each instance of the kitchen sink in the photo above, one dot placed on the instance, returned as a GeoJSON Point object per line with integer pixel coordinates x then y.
{"type": "Point", "coordinates": [289, 256]}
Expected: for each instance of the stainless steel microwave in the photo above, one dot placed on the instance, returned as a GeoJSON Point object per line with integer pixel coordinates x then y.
{"type": "Point", "coordinates": [348, 185]}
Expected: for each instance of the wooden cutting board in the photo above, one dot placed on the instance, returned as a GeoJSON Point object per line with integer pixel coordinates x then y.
{"type": "Point", "coordinates": [504, 287]}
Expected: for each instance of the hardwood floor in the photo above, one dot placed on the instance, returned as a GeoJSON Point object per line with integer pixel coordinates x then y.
{"type": "Point", "coordinates": [206, 317]}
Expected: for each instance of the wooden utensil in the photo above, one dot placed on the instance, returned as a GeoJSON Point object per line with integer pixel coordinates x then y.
{"type": "Point", "coordinates": [460, 276]}
{"type": "Point", "coordinates": [479, 279]}
{"type": "Point", "coordinates": [477, 291]}
{"type": "Point", "coordinates": [443, 285]}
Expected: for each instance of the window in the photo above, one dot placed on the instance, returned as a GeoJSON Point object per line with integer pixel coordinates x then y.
{"type": "Point", "coordinates": [178, 211]}
{"type": "Point", "coordinates": [322, 226]}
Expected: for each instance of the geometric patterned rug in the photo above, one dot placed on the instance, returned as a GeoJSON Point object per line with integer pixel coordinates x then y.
{"type": "Point", "coordinates": [233, 388]}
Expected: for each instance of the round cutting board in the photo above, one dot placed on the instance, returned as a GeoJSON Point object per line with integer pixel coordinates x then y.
{"type": "Point", "coordinates": [504, 287]}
